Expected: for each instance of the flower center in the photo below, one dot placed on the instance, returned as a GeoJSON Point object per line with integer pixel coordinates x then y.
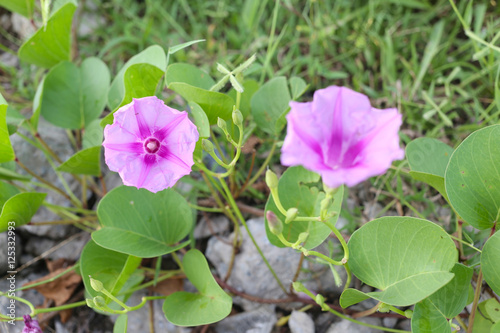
{"type": "Point", "coordinates": [151, 145]}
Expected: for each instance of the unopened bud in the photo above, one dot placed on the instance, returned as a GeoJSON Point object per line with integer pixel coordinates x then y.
{"type": "Point", "coordinates": [96, 284]}
{"type": "Point", "coordinates": [274, 223]}
{"type": "Point", "coordinates": [100, 302]}
{"type": "Point", "coordinates": [90, 302]}
{"type": "Point", "coordinates": [237, 117]}
{"type": "Point", "coordinates": [408, 313]}
{"type": "Point", "coordinates": [383, 307]}
{"type": "Point", "coordinates": [271, 179]}
{"type": "Point", "coordinates": [320, 299]}
{"type": "Point", "coordinates": [291, 214]}
{"type": "Point", "coordinates": [325, 204]}
{"type": "Point", "coordinates": [222, 124]}
{"type": "Point", "coordinates": [302, 237]}
{"type": "Point", "coordinates": [207, 146]}
{"type": "Point", "coordinates": [299, 287]}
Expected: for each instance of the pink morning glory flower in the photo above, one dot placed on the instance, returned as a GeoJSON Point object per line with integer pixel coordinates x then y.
{"type": "Point", "coordinates": [150, 144]}
{"type": "Point", "coordinates": [341, 136]}
{"type": "Point", "coordinates": [31, 325]}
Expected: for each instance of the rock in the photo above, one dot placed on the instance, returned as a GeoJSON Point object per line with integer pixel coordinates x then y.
{"type": "Point", "coordinates": [250, 274]}
{"type": "Point", "coordinates": [60, 327]}
{"type": "Point", "coordinates": [372, 210]}
{"type": "Point", "coordinates": [247, 322]}
{"type": "Point", "coordinates": [22, 26]}
{"type": "Point", "coordinates": [345, 325]}
{"type": "Point", "coordinates": [300, 322]}
{"type": "Point", "coordinates": [9, 59]}
{"type": "Point", "coordinates": [69, 250]}
{"type": "Point", "coordinates": [35, 160]}
{"type": "Point", "coordinates": [390, 322]}
{"type": "Point", "coordinates": [209, 227]}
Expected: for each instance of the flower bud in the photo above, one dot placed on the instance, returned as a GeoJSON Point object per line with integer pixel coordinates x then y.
{"type": "Point", "coordinates": [274, 223]}
{"type": "Point", "coordinates": [302, 237]}
{"type": "Point", "coordinates": [383, 308]}
{"type": "Point", "coordinates": [408, 313]}
{"type": "Point", "coordinates": [271, 179]}
{"type": "Point", "coordinates": [100, 302]}
{"type": "Point", "coordinates": [207, 146]}
{"type": "Point", "coordinates": [325, 204]}
{"type": "Point", "coordinates": [90, 302]}
{"type": "Point", "coordinates": [320, 299]}
{"type": "Point", "coordinates": [291, 214]}
{"type": "Point", "coordinates": [299, 287]}
{"type": "Point", "coordinates": [237, 117]}
{"type": "Point", "coordinates": [96, 284]}
{"type": "Point", "coordinates": [222, 124]}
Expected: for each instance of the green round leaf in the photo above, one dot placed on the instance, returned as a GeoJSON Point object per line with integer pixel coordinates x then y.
{"type": "Point", "coordinates": [140, 80]}
{"type": "Point", "coordinates": [200, 120]}
{"type": "Point", "coordinates": [20, 208]}
{"type": "Point", "coordinates": [153, 55]}
{"type": "Point", "coordinates": [215, 104]}
{"type": "Point", "coordinates": [73, 97]}
{"type": "Point", "coordinates": [428, 159]}
{"type": "Point", "coordinates": [407, 258]}
{"type": "Point", "coordinates": [209, 305]}
{"type": "Point", "coordinates": [6, 150]}
{"type": "Point", "coordinates": [85, 162]}
{"type": "Point", "coordinates": [270, 103]}
{"type": "Point", "coordinates": [51, 43]}
{"type": "Point", "coordinates": [189, 74]}
{"type": "Point", "coordinates": [121, 324]}
{"type": "Point", "coordinates": [294, 192]}
{"type": "Point", "coordinates": [23, 7]}
{"type": "Point", "coordinates": [490, 309]}
{"type": "Point", "coordinates": [490, 262]}
{"type": "Point", "coordinates": [427, 318]}
{"type": "Point", "coordinates": [116, 271]}
{"type": "Point", "coordinates": [141, 223]}
{"type": "Point", "coordinates": [472, 178]}
{"type": "Point", "coordinates": [452, 298]}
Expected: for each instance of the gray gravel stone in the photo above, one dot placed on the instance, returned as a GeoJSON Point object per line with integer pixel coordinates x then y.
{"type": "Point", "coordinates": [216, 225]}
{"type": "Point", "coordinates": [300, 322]}
{"type": "Point", "coordinates": [253, 322]}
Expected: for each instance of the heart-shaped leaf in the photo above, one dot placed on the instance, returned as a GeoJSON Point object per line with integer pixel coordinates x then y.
{"type": "Point", "coordinates": [452, 298]}
{"type": "Point", "coordinates": [23, 7]}
{"type": "Point", "coordinates": [189, 74]}
{"type": "Point", "coordinates": [75, 105]}
{"type": "Point", "coordinates": [269, 103]}
{"type": "Point", "coordinates": [297, 87]}
{"type": "Point", "coordinates": [472, 180]}
{"type": "Point", "coordinates": [427, 318]}
{"type": "Point", "coordinates": [209, 305]}
{"type": "Point", "coordinates": [407, 258]}
{"type": "Point", "coordinates": [215, 104]}
{"type": "Point", "coordinates": [121, 324]}
{"type": "Point", "coordinates": [20, 208]}
{"type": "Point", "coordinates": [490, 262]}
{"type": "Point", "coordinates": [294, 192]}
{"type": "Point", "coordinates": [140, 80]}
{"type": "Point", "coordinates": [85, 162]}
{"type": "Point", "coordinates": [428, 159]}
{"type": "Point", "coordinates": [141, 223]}
{"type": "Point", "coordinates": [490, 309]}
{"type": "Point", "coordinates": [200, 120]}
{"type": "Point", "coordinates": [51, 43]}
{"type": "Point", "coordinates": [153, 55]}
{"type": "Point", "coordinates": [116, 271]}
{"type": "Point", "coordinates": [6, 150]}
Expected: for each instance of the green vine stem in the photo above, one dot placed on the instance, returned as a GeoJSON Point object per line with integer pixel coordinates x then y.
{"type": "Point", "coordinates": [300, 288]}
{"type": "Point", "coordinates": [240, 217]}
